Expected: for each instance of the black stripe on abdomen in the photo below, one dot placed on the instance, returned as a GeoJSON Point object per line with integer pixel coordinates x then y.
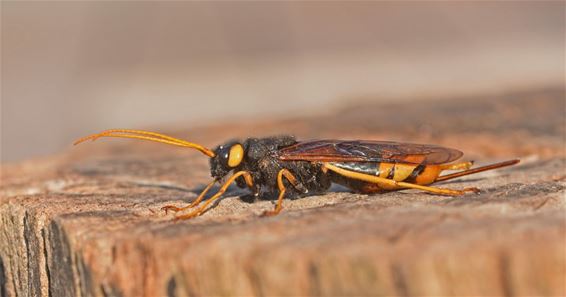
{"type": "Point", "coordinates": [391, 173]}
{"type": "Point", "coordinates": [416, 172]}
{"type": "Point", "coordinates": [371, 168]}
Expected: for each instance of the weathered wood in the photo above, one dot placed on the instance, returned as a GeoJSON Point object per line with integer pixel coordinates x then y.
{"type": "Point", "coordinates": [88, 222]}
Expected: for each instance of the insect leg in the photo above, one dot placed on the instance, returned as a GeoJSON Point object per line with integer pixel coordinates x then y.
{"type": "Point", "coordinates": [247, 176]}
{"type": "Point", "coordinates": [291, 178]}
{"type": "Point", "coordinates": [392, 183]}
{"type": "Point", "coordinates": [192, 204]}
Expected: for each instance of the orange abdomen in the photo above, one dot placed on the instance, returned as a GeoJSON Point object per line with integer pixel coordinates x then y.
{"type": "Point", "coordinates": [428, 175]}
{"type": "Point", "coordinates": [418, 174]}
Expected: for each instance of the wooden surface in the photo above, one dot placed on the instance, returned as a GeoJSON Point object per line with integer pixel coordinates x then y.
{"type": "Point", "coordinates": [87, 222]}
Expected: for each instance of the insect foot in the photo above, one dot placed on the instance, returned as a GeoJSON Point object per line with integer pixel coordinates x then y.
{"type": "Point", "coordinates": [173, 208]}
{"type": "Point", "coordinates": [270, 213]}
{"type": "Point", "coordinates": [461, 192]}
{"type": "Point", "coordinates": [187, 216]}
{"type": "Point", "coordinates": [473, 189]}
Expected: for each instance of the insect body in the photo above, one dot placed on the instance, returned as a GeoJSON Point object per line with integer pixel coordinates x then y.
{"type": "Point", "coordinates": [299, 168]}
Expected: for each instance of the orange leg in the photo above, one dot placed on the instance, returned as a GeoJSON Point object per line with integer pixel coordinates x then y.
{"type": "Point", "coordinates": [389, 183]}
{"type": "Point", "coordinates": [247, 176]}
{"type": "Point", "coordinates": [279, 206]}
{"type": "Point", "coordinates": [192, 204]}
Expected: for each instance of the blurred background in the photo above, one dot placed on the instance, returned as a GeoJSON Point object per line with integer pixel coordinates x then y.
{"type": "Point", "coordinates": [74, 68]}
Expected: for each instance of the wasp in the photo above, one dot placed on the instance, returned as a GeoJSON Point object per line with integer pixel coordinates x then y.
{"type": "Point", "coordinates": [300, 168]}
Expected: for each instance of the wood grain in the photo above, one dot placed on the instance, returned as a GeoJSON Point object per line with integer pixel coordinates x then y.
{"type": "Point", "coordinates": [87, 222]}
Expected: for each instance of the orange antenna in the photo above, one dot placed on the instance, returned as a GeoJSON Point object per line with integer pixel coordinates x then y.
{"type": "Point", "coordinates": [146, 135]}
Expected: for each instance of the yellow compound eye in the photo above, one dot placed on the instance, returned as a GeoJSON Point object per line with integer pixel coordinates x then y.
{"type": "Point", "coordinates": [236, 155]}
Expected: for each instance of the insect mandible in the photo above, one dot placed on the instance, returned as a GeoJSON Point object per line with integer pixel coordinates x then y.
{"type": "Point", "coordinates": [283, 164]}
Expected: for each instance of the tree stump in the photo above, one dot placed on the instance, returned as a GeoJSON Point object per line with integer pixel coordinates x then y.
{"type": "Point", "coordinates": [88, 222]}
